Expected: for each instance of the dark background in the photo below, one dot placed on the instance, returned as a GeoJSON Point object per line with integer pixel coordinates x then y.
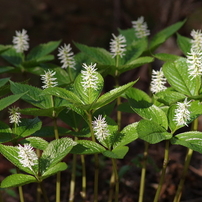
{"type": "Point", "coordinates": [92, 22]}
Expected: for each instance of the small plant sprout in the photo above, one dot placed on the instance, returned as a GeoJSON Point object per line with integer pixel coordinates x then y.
{"type": "Point", "coordinates": [140, 27]}
{"type": "Point", "coordinates": [158, 81]}
{"type": "Point", "coordinates": [27, 156]}
{"type": "Point", "coordinates": [89, 76]}
{"type": "Point", "coordinates": [14, 115]}
{"type": "Point", "coordinates": [48, 79]}
{"type": "Point", "coordinates": [20, 41]}
{"type": "Point", "coordinates": [117, 45]}
{"type": "Point", "coordinates": [100, 128]}
{"type": "Point", "coordinates": [196, 42]}
{"type": "Point", "coordinates": [194, 62]}
{"type": "Point", "coordinates": [182, 113]}
{"type": "Point", "coordinates": [66, 56]}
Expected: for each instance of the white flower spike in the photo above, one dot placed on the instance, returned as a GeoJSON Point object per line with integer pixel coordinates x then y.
{"type": "Point", "coordinates": [20, 41]}
{"type": "Point", "coordinates": [117, 45]}
{"type": "Point", "coordinates": [194, 62]}
{"type": "Point", "coordinates": [158, 81]}
{"type": "Point", "coordinates": [66, 56]}
{"type": "Point", "coordinates": [27, 156]}
{"type": "Point", "coordinates": [100, 128]}
{"type": "Point", "coordinates": [14, 115]}
{"type": "Point", "coordinates": [196, 42]}
{"type": "Point", "coordinates": [48, 79]}
{"type": "Point", "coordinates": [140, 27]}
{"type": "Point", "coordinates": [182, 113]}
{"type": "Point", "coordinates": [89, 77]}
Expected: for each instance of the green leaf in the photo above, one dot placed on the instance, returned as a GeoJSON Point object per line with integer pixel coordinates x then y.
{"type": "Point", "coordinates": [61, 166]}
{"type": "Point", "coordinates": [135, 63]}
{"type": "Point", "coordinates": [112, 95]}
{"type": "Point", "coordinates": [192, 140]}
{"type": "Point", "coordinates": [6, 133]}
{"type": "Point", "coordinates": [69, 96]}
{"type": "Point", "coordinates": [32, 96]}
{"type": "Point", "coordinates": [48, 131]}
{"type": "Point", "coordinates": [151, 132]}
{"type": "Point", "coordinates": [12, 57]}
{"type": "Point", "coordinates": [41, 50]}
{"type": "Point", "coordinates": [6, 69]}
{"type": "Point", "coordinates": [169, 96]}
{"type": "Point", "coordinates": [36, 142]}
{"type": "Point", "coordinates": [98, 55]}
{"type": "Point", "coordinates": [3, 48]}
{"type": "Point", "coordinates": [129, 35]}
{"type": "Point", "coordinates": [11, 153]}
{"type": "Point", "coordinates": [166, 57]}
{"type": "Point", "coordinates": [184, 43]}
{"type": "Point", "coordinates": [87, 147]}
{"type": "Point", "coordinates": [5, 102]}
{"type": "Point", "coordinates": [178, 77]}
{"type": "Point", "coordinates": [141, 104]}
{"type": "Point", "coordinates": [88, 95]}
{"type": "Point", "coordinates": [134, 50]}
{"type": "Point", "coordinates": [16, 180]}
{"type": "Point", "coordinates": [42, 112]}
{"type": "Point", "coordinates": [127, 135]}
{"type": "Point", "coordinates": [4, 81]}
{"type": "Point", "coordinates": [117, 153]}
{"type": "Point", "coordinates": [163, 35]}
{"type": "Point", "coordinates": [54, 153]}
{"type": "Point", "coordinates": [27, 127]}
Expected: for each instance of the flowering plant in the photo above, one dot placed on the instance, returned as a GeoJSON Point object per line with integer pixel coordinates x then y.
{"type": "Point", "coordinates": [73, 94]}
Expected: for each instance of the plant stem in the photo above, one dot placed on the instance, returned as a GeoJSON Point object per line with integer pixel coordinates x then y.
{"type": "Point", "coordinates": [83, 194]}
{"type": "Point", "coordinates": [96, 160]}
{"type": "Point", "coordinates": [58, 176]}
{"type": "Point", "coordinates": [43, 192]}
{"type": "Point", "coordinates": [38, 193]}
{"type": "Point", "coordinates": [116, 177]}
{"type": "Point", "coordinates": [73, 178]}
{"type": "Point", "coordinates": [143, 172]}
{"type": "Point", "coordinates": [163, 172]}
{"type": "Point", "coordinates": [21, 194]}
{"type": "Point", "coordinates": [186, 166]}
{"type": "Point", "coordinates": [111, 188]}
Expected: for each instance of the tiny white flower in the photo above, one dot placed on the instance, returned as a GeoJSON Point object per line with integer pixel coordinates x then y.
{"type": "Point", "coordinates": [14, 115]}
{"type": "Point", "coordinates": [66, 56]}
{"type": "Point", "coordinates": [182, 113]}
{"type": "Point", "coordinates": [117, 45]}
{"type": "Point", "coordinates": [158, 81]}
{"type": "Point", "coordinates": [100, 128]}
{"type": "Point", "coordinates": [196, 42]}
{"type": "Point", "coordinates": [140, 27]}
{"type": "Point", "coordinates": [194, 62]}
{"type": "Point", "coordinates": [89, 76]}
{"type": "Point", "coordinates": [20, 41]}
{"type": "Point", "coordinates": [48, 79]}
{"type": "Point", "coordinates": [27, 156]}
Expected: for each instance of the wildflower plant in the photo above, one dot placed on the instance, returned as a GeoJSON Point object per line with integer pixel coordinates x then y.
{"type": "Point", "coordinates": [76, 98]}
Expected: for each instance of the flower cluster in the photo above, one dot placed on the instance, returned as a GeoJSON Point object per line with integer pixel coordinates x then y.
{"type": "Point", "coordinates": [117, 45]}
{"type": "Point", "coordinates": [194, 62]}
{"type": "Point", "coordinates": [158, 81]}
{"type": "Point", "coordinates": [48, 79]}
{"type": "Point", "coordinates": [141, 29]}
{"type": "Point", "coordinates": [66, 56]}
{"type": "Point", "coordinates": [194, 58]}
{"type": "Point", "coordinates": [196, 42]}
{"type": "Point", "coordinates": [89, 76]}
{"type": "Point", "coordinates": [20, 41]}
{"type": "Point", "coordinates": [182, 113]}
{"type": "Point", "coordinates": [14, 115]}
{"type": "Point", "coordinates": [27, 156]}
{"type": "Point", "coordinates": [100, 128]}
